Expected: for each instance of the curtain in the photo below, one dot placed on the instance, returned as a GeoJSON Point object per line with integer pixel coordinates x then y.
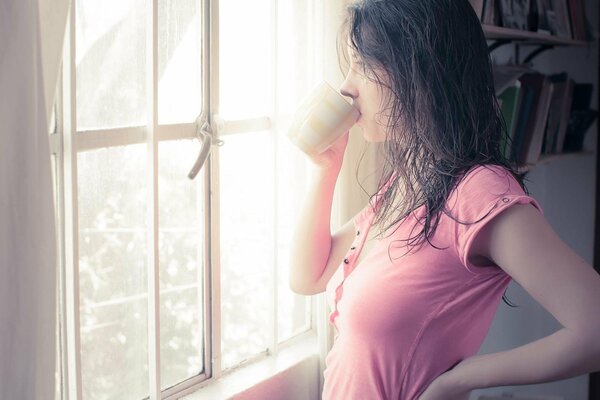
{"type": "Point", "coordinates": [29, 62]}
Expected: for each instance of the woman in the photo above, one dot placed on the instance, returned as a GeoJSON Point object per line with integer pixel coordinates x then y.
{"type": "Point", "coordinates": [415, 278]}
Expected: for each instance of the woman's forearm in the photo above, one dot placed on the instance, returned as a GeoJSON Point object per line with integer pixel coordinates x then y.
{"type": "Point", "coordinates": [561, 355]}
{"type": "Point", "coordinates": [312, 236]}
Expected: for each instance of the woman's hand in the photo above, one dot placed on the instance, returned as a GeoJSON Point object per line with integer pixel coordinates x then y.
{"type": "Point", "coordinates": [334, 155]}
{"type": "Point", "coordinates": [445, 388]}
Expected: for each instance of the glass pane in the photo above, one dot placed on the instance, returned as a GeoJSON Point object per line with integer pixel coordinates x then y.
{"type": "Point", "coordinates": [295, 57]}
{"type": "Point", "coordinates": [53, 167]}
{"type": "Point", "coordinates": [179, 72]}
{"type": "Point", "coordinates": [110, 63]}
{"type": "Point", "coordinates": [112, 272]}
{"type": "Point", "coordinates": [58, 372]}
{"type": "Point", "coordinates": [293, 310]}
{"type": "Point", "coordinates": [181, 241]}
{"type": "Point", "coordinates": [52, 124]}
{"type": "Point", "coordinates": [247, 245]}
{"type": "Point", "coordinates": [245, 59]}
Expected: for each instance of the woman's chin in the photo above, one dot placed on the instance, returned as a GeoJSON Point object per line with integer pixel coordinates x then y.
{"type": "Point", "coordinates": [369, 137]}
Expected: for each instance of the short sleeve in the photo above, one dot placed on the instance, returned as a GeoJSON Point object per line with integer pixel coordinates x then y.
{"type": "Point", "coordinates": [483, 193]}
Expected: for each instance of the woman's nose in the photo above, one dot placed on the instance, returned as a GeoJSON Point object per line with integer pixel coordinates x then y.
{"type": "Point", "coordinates": [348, 89]}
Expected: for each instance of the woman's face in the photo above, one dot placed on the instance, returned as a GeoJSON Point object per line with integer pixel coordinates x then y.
{"type": "Point", "coordinates": [368, 97]}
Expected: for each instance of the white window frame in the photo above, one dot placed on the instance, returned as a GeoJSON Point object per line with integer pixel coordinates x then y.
{"type": "Point", "coordinates": [65, 144]}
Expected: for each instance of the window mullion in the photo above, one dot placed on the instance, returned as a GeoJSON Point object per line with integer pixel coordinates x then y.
{"type": "Point", "coordinates": [71, 231]}
{"type": "Point", "coordinates": [60, 262]}
{"type": "Point", "coordinates": [153, 263]}
{"type": "Point", "coordinates": [274, 138]}
{"type": "Point", "coordinates": [210, 103]}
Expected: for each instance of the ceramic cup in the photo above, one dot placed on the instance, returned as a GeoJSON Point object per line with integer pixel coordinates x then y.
{"type": "Point", "coordinates": [322, 117]}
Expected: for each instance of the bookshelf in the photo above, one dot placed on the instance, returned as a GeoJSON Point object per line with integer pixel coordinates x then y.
{"type": "Point", "coordinates": [535, 43]}
{"type": "Point", "coordinates": [548, 158]}
{"type": "Point", "coordinates": [493, 32]}
{"type": "Point", "coordinates": [545, 41]}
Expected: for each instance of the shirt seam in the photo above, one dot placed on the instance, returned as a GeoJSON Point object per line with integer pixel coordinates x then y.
{"type": "Point", "coordinates": [499, 205]}
{"type": "Point", "coordinates": [417, 339]}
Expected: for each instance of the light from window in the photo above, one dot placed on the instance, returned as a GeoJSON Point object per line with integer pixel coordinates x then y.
{"type": "Point", "coordinates": [179, 73]}
{"type": "Point", "coordinates": [111, 63]}
{"type": "Point", "coordinates": [181, 253]}
{"type": "Point", "coordinates": [245, 66]}
{"type": "Point", "coordinates": [112, 272]}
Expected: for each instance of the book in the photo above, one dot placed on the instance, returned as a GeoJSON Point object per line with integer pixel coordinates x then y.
{"type": "Point", "coordinates": [509, 100]}
{"type": "Point", "coordinates": [526, 102]}
{"type": "Point", "coordinates": [579, 123]}
{"type": "Point", "coordinates": [560, 109]}
{"type": "Point", "coordinates": [565, 115]}
{"type": "Point", "coordinates": [477, 7]}
{"type": "Point", "coordinates": [545, 11]}
{"type": "Point", "coordinates": [577, 18]}
{"type": "Point", "coordinates": [562, 24]}
{"type": "Point", "coordinates": [490, 14]}
{"type": "Point", "coordinates": [534, 83]}
{"type": "Point", "coordinates": [582, 96]}
{"type": "Point", "coordinates": [577, 115]}
{"type": "Point", "coordinates": [506, 75]}
{"type": "Point", "coordinates": [534, 147]}
{"type": "Point", "coordinates": [514, 13]}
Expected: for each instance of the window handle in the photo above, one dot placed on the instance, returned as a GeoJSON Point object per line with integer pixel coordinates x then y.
{"type": "Point", "coordinates": [204, 131]}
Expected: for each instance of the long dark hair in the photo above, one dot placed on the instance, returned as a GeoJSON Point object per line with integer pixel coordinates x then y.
{"type": "Point", "coordinates": [444, 118]}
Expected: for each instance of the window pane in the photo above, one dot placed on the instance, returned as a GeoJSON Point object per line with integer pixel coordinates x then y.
{"type": "Point", "coordinates": [244, 64]}
{"type": "Point", "coordinates": [293, 309]}
{"type": "Point", "coordinates": [54, 168]}
{"type": "Point", "coordinates": [179, 40]}
{"type": "Point", "coordinates": [247, 245]}
{"type": "Point", "coordinates": [58, 372]}
{"type": "Point", "coordinates": [295, 56]}
{"type": "Point", "coordinates": [111, 63]}
{"type": "Point", "coordinates": [112, 272]}
{"type": "Point", "coordinates": [52, 124]}
{"type": "Point", "coordinates": [181, 241]}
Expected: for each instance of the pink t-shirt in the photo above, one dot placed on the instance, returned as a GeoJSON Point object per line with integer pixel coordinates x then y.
{"type": "Point", "coordinates": [399, 325]}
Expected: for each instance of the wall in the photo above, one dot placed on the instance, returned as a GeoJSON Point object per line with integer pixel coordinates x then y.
{"type": "Point", "coordinates": [566, 191]}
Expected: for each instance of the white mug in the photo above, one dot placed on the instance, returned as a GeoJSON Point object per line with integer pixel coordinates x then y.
{"type": "Point", "coordinates": [323, 116]}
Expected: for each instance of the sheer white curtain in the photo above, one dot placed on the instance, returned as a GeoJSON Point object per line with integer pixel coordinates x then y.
{"type": "Point", "coordinates": [29, 64]}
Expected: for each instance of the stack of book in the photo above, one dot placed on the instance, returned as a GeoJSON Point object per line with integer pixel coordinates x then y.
{"type": "Point", "coordinates": [539, 112]}
{"type": "Point", "coordinates": [562, 18]}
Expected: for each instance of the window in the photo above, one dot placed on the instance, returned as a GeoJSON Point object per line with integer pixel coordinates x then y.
{"type": "Point", "coordinates": [153, 263]}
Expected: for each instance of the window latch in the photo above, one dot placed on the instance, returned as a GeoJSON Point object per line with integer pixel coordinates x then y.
{"type": "Point", "coordinates": [204, 131]}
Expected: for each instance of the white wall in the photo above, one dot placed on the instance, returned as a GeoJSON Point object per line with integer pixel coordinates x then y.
{"type": "Point", "coordinates": [566, 191]}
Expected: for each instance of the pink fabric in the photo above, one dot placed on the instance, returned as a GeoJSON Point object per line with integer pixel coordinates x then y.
{"type": "Point", "coordinates": [399, 325]}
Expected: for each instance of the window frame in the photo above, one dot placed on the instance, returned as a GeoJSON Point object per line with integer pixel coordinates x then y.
{"type": "Point", "coordinates": [65, 144]}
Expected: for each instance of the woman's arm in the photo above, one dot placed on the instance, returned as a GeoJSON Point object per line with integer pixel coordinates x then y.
{"type": "Point", "coordinates": [522, 243]}
{"type": "Point", "coordinates": [311, 242]}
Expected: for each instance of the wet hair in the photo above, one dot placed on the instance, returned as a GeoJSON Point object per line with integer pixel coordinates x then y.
{"type": "Point", "coordinates": [442, 114]}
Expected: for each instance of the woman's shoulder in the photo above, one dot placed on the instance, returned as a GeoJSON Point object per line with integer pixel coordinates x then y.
{"type": "Point", "coordinates": [485, 186]}
{"type": "Point", "coordinates": [487, 170]}
{"type": "Point", "coordinates": [486, 177]}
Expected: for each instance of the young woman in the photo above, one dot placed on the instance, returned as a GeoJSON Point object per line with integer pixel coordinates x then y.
{"type": "Point", "coordinates": [414, 279]}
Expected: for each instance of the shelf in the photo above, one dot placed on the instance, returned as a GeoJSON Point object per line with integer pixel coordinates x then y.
{"type": "Point", "coordinates": [547, 158]}
{"type": "Point", "coordinates": [493, 32]}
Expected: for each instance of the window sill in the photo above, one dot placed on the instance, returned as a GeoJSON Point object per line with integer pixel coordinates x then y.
{"type": "Point", "coordinates": [293, 373]}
